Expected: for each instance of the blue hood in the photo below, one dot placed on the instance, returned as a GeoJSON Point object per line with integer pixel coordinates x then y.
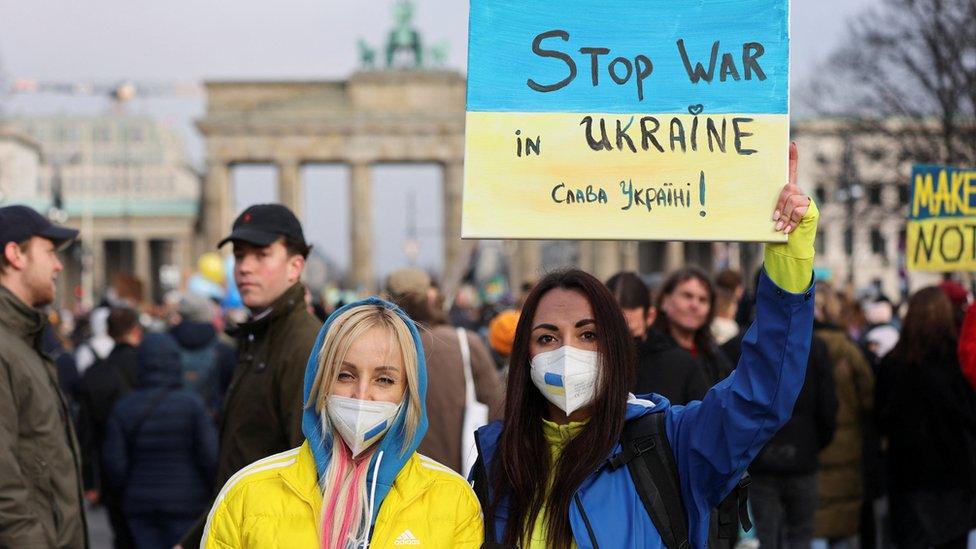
{"type": "Point", "coordinates": [159, 362]}
{"type": "Point", "coordinates": [390, 447]}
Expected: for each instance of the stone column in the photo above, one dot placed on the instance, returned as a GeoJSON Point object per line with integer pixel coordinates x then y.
{"type": "Point", "coordinates": [629, 256]}
{"type": "Point", "coordinates": [735, 257]}
{"type": "Point", "coordinates": [453, 179]}
{"type": "Point", "coordinates": [361, 224]}
{"type": "Point", "coordinates": [675, 258]}
{"type": "Point", "coordinates": [97, 270]}
{"type": "Point", "coordinates": [529, 261]}
{"type": "Point", "coordinates": [182, 252]}
{"type": "Point", "coordinates": [606, 259]}
{"type": "Point", "coordinates": [142, 268]}
{"type": "Point", "coordinates": [290, 191]}
{"type": "Point", "coordinates": [217, 206]}
{"type": "Point", "coordinates": [585, 258]}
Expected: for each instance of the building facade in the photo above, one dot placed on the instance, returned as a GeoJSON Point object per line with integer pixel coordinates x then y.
{"type": "Point", "coordinates": [125, 183]}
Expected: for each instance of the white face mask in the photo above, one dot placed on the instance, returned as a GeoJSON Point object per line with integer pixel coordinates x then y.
{"type": "Point", "coordinates": [360, 423]}
{"type": "Point", "coordinates": [566, 376]}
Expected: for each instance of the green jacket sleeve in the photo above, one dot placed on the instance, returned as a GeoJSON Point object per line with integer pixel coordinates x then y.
{"type": "Point", "coordinates": [790, 264]}
{"type": "Point", "coordinates": [19, 526]}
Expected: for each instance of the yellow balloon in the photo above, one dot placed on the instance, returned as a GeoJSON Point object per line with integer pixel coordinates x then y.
{"type": "Point", "coordinates": [211, 267]}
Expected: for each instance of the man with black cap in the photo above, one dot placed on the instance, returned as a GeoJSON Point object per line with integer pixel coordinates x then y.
{"type": "Point", "coordinates": [40, 463]}
{"type": "Point", "coordinates": [263, 406]}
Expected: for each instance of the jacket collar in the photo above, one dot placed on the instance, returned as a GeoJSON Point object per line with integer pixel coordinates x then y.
{"type": "Point", "coordinates": [288, 302]}
{"type": "Point", "coordinates": [24, 321]}
{"type": "Point", "coordinates": [302, 479]}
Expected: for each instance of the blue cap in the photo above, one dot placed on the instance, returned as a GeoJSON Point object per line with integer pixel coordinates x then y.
{"type": "Point", "coordinates": [20, 223]}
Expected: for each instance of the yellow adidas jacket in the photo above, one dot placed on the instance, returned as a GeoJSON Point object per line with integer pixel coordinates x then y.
{"type": "Point", "coordinates": [275, 502]}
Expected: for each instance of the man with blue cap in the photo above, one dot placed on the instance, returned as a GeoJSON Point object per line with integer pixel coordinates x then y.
{"type": "Point", "coordinates": [40, 463]}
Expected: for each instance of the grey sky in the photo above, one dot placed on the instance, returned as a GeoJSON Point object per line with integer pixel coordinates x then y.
{"type": "Point", "coordinates": [186, 40]}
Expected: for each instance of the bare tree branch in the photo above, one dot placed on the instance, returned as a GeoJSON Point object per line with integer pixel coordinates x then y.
{"type": "Point", "coordinates": [908, 73]}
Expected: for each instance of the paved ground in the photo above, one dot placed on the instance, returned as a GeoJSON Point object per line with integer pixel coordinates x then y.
{"type": "Point", "coordinates": [99, 531]}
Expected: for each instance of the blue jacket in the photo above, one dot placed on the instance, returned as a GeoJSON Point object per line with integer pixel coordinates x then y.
{"type": "Point", "coordinates": [167, 464]}
{"type": "Point", "coordinates": [714, 440]}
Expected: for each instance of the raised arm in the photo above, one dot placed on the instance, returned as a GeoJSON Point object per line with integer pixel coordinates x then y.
{"type": "Point", "coordinates": [716, 439]}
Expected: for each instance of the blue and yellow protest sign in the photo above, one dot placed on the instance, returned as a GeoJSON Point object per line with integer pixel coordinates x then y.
{"type": "Point", "coordinates": [941, 232]}
{"type": "Point", "coordinates": [635, 119]}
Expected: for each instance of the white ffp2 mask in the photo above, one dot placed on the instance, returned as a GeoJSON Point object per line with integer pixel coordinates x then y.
{"type": "Point", "coordinates": [360, 423]}
{"type": "Point", "coordinates": [566, 376]}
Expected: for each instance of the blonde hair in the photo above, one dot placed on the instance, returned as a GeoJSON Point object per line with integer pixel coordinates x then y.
{"type": "Point", "coordinates": [345, 499]}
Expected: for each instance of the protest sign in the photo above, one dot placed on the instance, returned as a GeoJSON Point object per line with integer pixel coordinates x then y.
{"type": "Point", "coordinates": [635, 119]}
{"type": "Point", "coordinates": [941, 232]}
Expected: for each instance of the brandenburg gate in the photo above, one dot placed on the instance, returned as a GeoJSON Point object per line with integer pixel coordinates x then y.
{"type": "Point", "coordinates": [374, 117]}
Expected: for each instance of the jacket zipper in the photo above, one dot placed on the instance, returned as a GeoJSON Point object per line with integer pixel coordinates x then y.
{"type": "Point", "coordinates": [586, 521]}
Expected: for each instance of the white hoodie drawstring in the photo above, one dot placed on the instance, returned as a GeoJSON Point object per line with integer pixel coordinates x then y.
{"type": "Point", "coordinates": [372, 497]}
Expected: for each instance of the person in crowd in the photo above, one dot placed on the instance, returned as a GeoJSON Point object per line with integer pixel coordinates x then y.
{"type": "Point", "coordinates": [501, 335]}
{"type": "Point", "coordinates": [59, 348]}
{"type": "Point", "coordinates": [724, 327]}
{"type": "Point", "coordinates": [783, 493]}
{"type": "Point", "coordinates": [662, 366]}
{"type": "Point", "coordinates": [160, 449]}
{"type": "Point", "coordinates": [100, 388]}
{"type": "Point", "coordinates": [841, 483]}
{"type": "Point", "coordinates": [99, 345]}
{"type": "Point", "coordinates": [262, 409]}
{"type": "Point", "coordinates": [443, 356]}
{"type": "Point", "coordinates": [850, 318]}
{"type": "Point", "coordinates": [967, 346]}
{"type": "Point", "coordinates": [731, 281]}
{"type": "Point", "coordinates": [41, 501]}
{"type": "Point", "coordinates": [357, 480]}
{"type": "Point", "coordinates": [208, 362]}
{"type": "Point", "coordinates": [730, 292]}
{"type": "Point", "coordinates": [543, 473]}
{"type": "Point", "coordinates": [958, 296]}
{"type": "Point", "coordinates": [686, 307]}
{"type": "Point", "coordinates": [927, 414]}
{"type": "Point", "coordinates": [881, 333]}
{"type": "Point", "coordinates": [465, 308]}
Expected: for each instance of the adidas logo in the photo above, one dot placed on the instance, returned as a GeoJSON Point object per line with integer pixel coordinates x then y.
{"type": "Point", "coordinates": [406, 538]}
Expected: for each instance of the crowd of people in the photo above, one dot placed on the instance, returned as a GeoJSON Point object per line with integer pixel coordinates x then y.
{"type": "Point", "coordinates": [608, 413]}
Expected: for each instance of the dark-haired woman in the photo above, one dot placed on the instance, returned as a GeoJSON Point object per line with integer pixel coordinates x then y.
{"type": "Point", "coordinates": [544, 472]}
{"type": "Point", "coordinates": [686, 308]}
{"type": "Point", "coordinates": [927, 413]}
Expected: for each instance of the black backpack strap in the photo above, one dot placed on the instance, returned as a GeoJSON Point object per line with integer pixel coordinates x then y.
{"type": "Point", "coordinates": [479, 479]}
{"type": "Point", "coordinates": [734, 510]}
{"type": "Point", "coordinates": [479, 476]}
{"type": "Point", "coordinates": [647, 454]}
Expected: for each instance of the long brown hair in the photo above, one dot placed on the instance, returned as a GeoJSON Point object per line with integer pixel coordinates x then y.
{"type": "Point", "coordinates": [929, 334]}
{"type": "Point", "coordinates": [704, 342]}
{"type": "Point", "coordinates": [521, 470]}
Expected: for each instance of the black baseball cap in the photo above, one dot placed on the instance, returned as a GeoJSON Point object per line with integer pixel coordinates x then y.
{"type": "Point", "coordinates": [19, 223]}
{"type": "Point", "coordinates": [262, 224]}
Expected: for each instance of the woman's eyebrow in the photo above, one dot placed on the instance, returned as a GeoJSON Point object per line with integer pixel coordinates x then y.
{"type": "Point", "coordinates": [546, 327]}
{"type": "Point", "coordinates": [584, 322]}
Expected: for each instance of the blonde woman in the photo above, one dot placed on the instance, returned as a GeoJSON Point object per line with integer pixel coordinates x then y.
{"type": "Point", "coordinates": [357, 481]}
